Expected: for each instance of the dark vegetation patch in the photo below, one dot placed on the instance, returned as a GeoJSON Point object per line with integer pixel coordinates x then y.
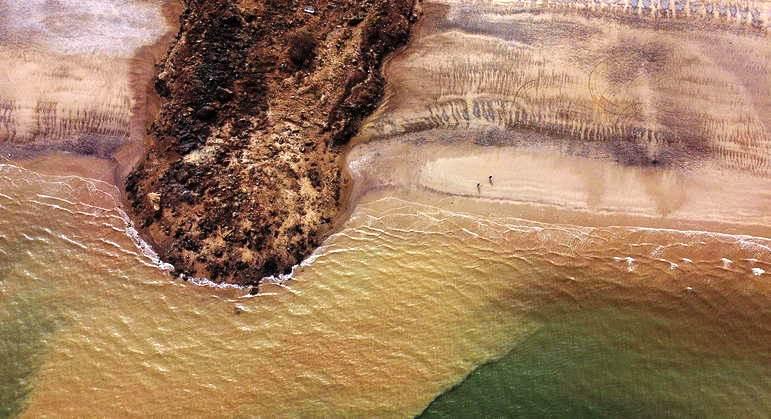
{"type": "Point", "coordinates": [302, 48]}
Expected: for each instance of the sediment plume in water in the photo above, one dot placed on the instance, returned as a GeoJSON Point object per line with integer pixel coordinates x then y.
{"type": "Point", "coordinates": [401, 304]}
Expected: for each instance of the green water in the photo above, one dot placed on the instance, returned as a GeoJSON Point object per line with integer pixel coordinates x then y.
{"type": "Point", "coordinates": [617, 362]}
{"type": "Point", "coordinates": [28, 318]}
{"type": "Point", "coordinates": [24, 327]}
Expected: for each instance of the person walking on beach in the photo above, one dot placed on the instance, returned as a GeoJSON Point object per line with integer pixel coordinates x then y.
{"type": "Point", "coordinates": [490, 179]}
{"type": "Point", "coordinates": [479, 188]}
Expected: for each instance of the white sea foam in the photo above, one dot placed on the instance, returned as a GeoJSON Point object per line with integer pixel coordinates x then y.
{"type": "Point", "coordinates": [629, 263]}
{"type": "Point", "coordinates": [72, 241]}
{"type": "Point", "coordinates": [657, 252]}
{"type": "Point", "coordinates": [628, 260]}
{"type": "Point", "coordinates": [149, 253]}
{"type": "Point", "coordinates": [144, 248]}
{"type": "Point", "coordinates": [208, 283]}
{"type": "Point", "coordinates": [282, 279]}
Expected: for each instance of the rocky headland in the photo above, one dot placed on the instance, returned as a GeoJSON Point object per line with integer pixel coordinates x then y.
{"type": "Point", "coordinates": [243, 175]}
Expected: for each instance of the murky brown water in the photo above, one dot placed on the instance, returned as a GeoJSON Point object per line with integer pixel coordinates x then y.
{"type": "Point", "coordinates": [433, 276]}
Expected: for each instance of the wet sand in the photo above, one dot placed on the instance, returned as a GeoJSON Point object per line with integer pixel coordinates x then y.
{"type": "Point", "coordinates": [67, 164]}
{"type": "Point", "coordinates": [76, 83]}
{"type": "Point", "coordinates": [546, 185]}
{"type": "Point", "coordinates": [626, 118]}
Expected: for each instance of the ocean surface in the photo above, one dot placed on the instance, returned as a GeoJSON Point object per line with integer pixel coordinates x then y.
{"type": "Point", "coordinates": [571, 284]}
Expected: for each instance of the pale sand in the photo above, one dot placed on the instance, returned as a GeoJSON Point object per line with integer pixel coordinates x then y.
{"type": "Point", "coordinates": [599, 118]}
{"type": "Point", "coordinates": [545, 185]}
{"type": "Point", "coordinates": [579, 183]}
{"type": "Point", "coordinates": [75, 83]}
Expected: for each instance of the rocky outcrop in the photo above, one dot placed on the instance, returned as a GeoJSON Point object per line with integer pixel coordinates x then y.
{"type": "Point", "coordinates": [243, 177]}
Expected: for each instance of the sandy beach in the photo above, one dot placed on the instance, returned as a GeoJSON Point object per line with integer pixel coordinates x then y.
{"type": "Point", "coordinates": [80, 88]}
{"type": "Point", "coordinates": [641, 120]}
{"type": "Point", "coordinates": [546, 185]}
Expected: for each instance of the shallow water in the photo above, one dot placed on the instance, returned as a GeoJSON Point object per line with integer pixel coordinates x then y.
{"type": "Point", "coordinates": [401, 304]}
{"type": "Point", "coordinates": [576, 297]}
{"type": "Point", "coordinates": [611, 362]}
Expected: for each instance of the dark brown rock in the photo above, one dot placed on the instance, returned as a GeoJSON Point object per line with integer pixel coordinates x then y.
{"type": "Point", "coordinates": [222, 163]}
{"type": "Point", "coordinates": [206, 113]}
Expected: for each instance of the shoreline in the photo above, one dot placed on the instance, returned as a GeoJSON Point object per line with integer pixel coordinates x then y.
{"type": "Point", "coordinates": [552, 214]}
{"type": "Point", "coordinates": [145, 115]}
{"type": "Point", "coordinates": [146, 110]}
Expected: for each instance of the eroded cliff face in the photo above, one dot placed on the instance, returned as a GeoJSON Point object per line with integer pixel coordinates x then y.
{"type": "Point", "coordinates": [243, 176]}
